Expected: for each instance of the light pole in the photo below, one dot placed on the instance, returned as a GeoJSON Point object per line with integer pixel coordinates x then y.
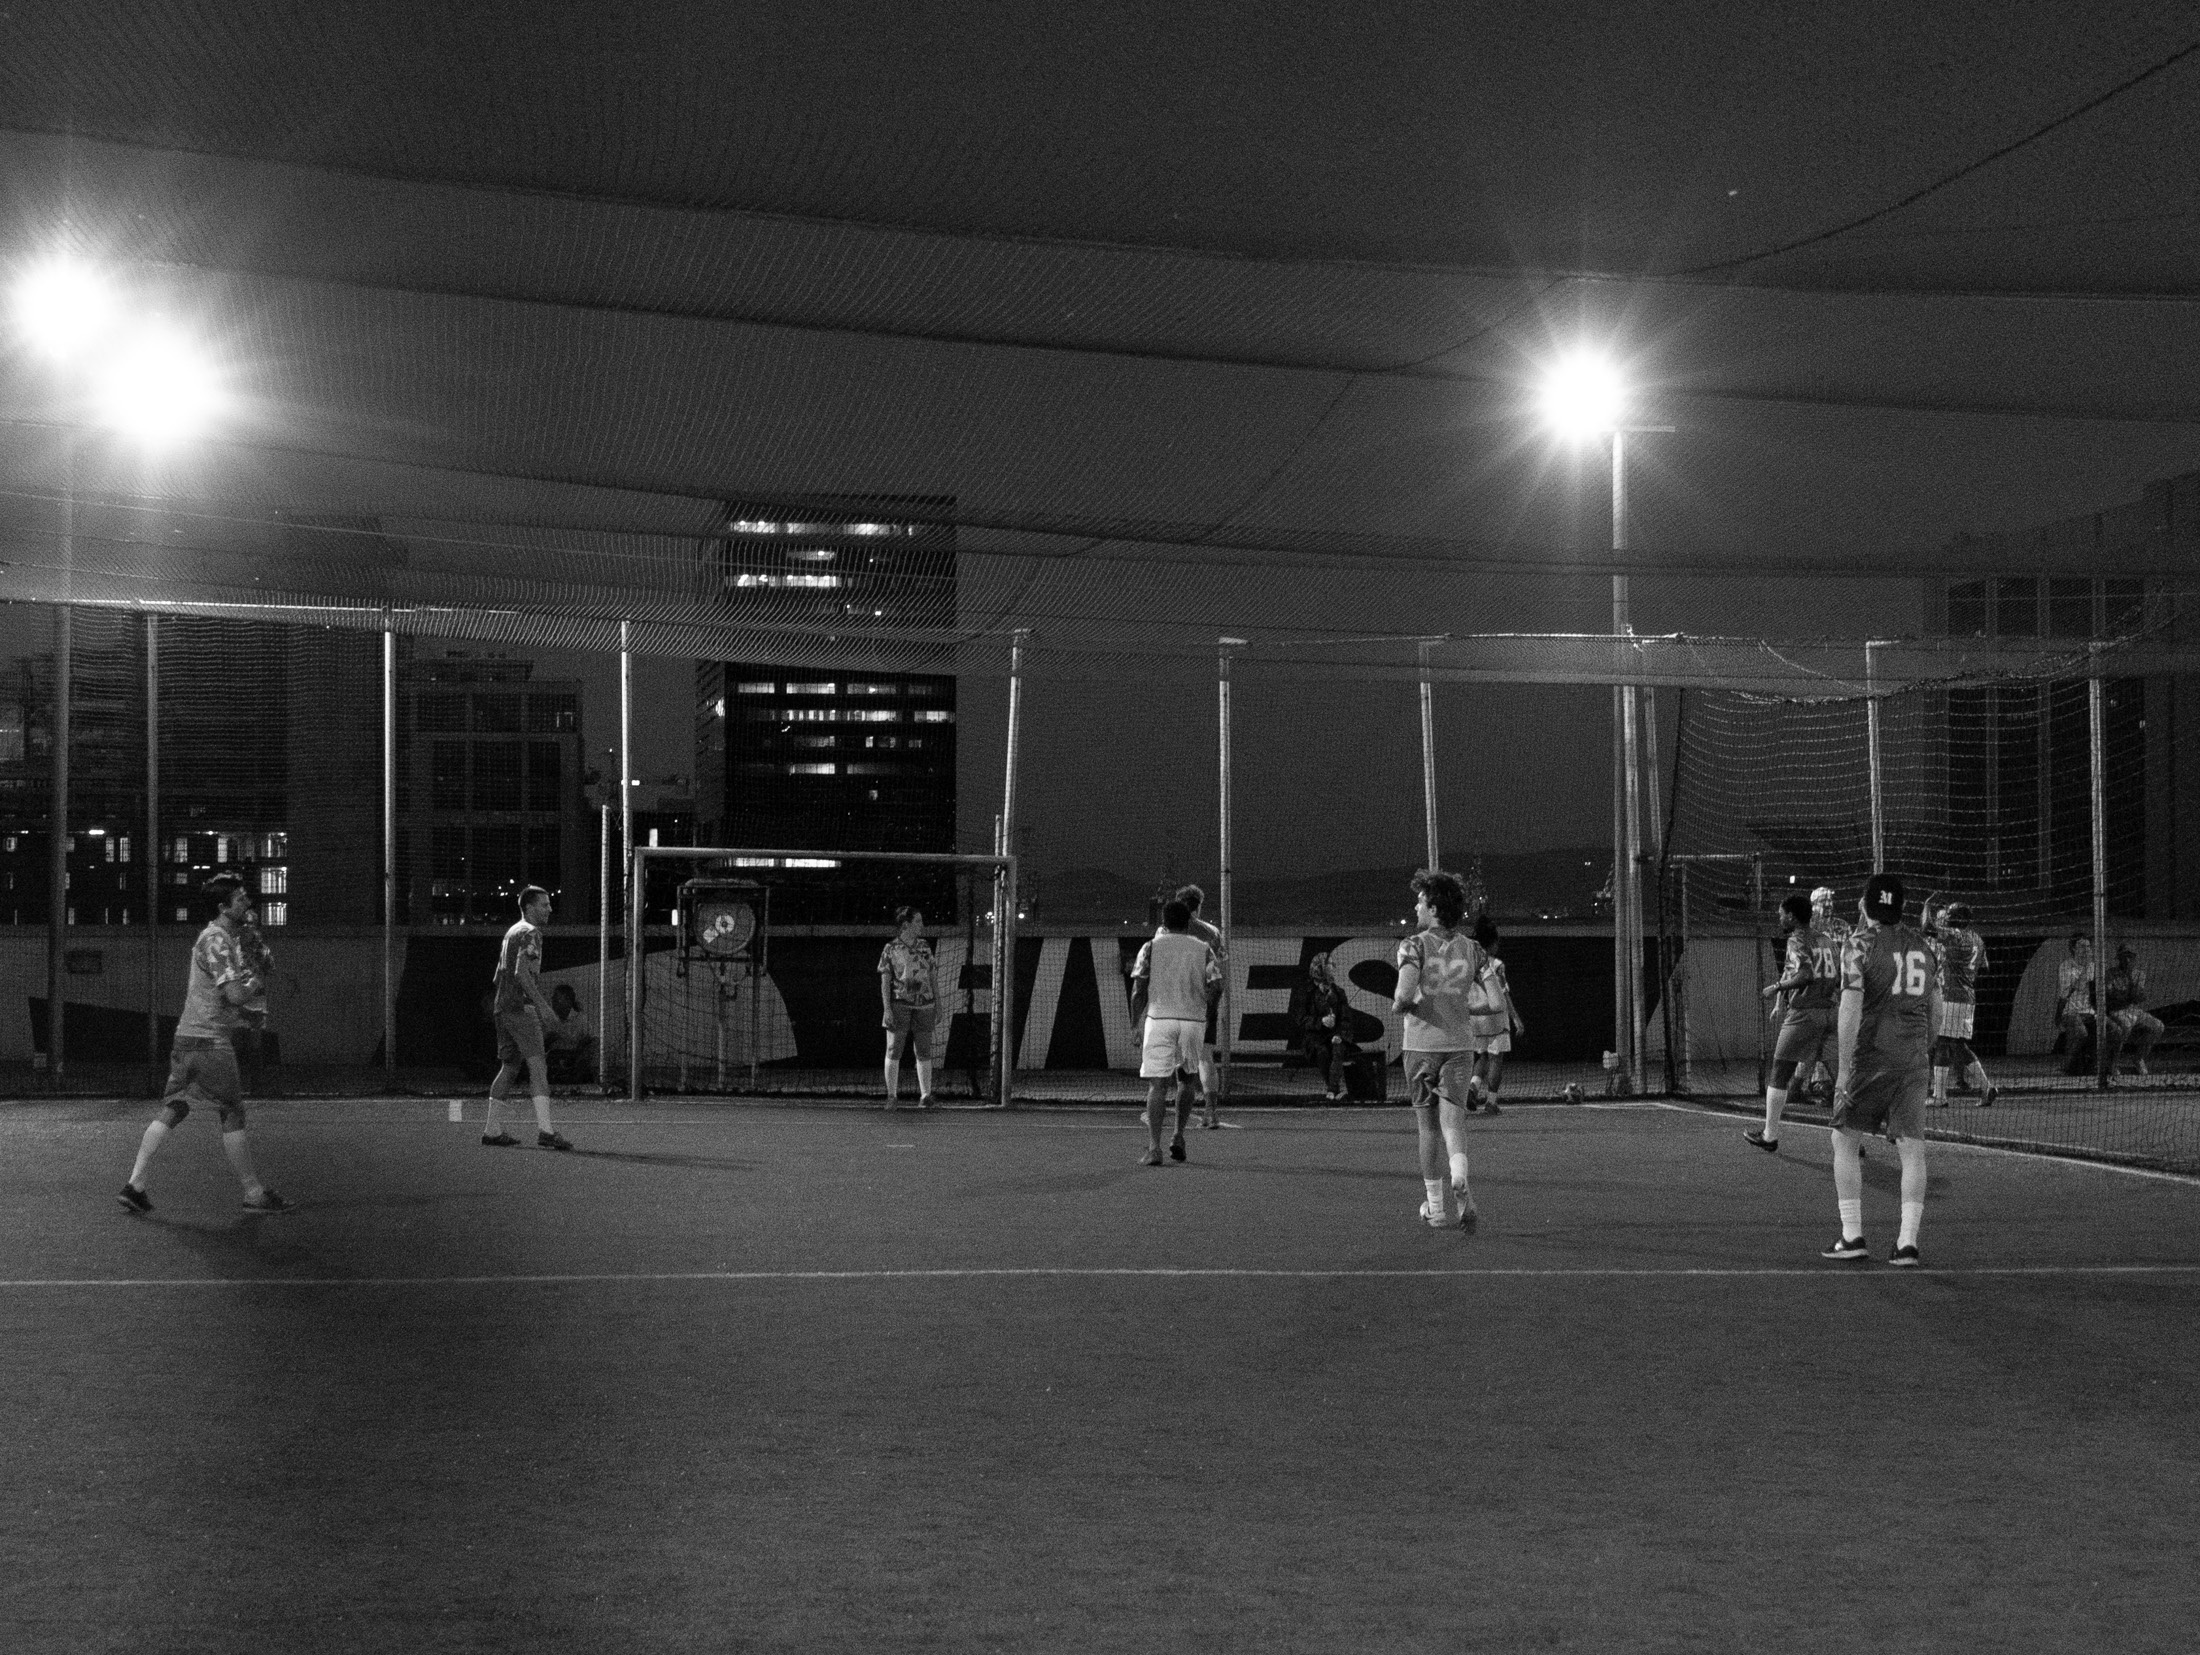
{"type": "Point", "coordinates": [1584, 399]}
{"type": "Point", "coordinates": [145, 379]}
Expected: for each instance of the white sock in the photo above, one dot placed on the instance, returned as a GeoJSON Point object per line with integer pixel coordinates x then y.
{"type": "Point", "coordinates": [1940, 1085]}
{"type": "Point", "coordinates": [1775, 1101]}
{"type": "Point", "coordinates": [1978, 1077]}
{"type": "Point", "coordinates": [1435, 1188]}
{"type": "Point", "coordinates": [155, 1134]}
{"type": "Point", "coordinates": [1913, 1214]}
{"type": "Point", "coordinates": [1459, 1171]}
{"type": "Point", "coordinates": [1852, 1219]}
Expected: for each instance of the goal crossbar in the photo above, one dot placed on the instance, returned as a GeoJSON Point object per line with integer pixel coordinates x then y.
{"type": "Point", "coordinates": [1004, 934]}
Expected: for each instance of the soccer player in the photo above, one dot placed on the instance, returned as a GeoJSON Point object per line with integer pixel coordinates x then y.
{"type": "Point", "coordinates": [1890, 1005]}
{"type": "Point", "coordinates": [1962, 958]}
{"type": "Point", "coordinates": [1437, 971]}
{"type": "Point", "coordinates": [202, 1067]}
{"type": "Point", "coordinates": [521, 1010]}
{"type": "Point", "coordinates": [1169, 989]}
{"type": "Point", "coordinates": [1491, 1032]}
{"type": "Point", "coordinates": [1192, 896]}
{"type": "Point", "coordinates": [250, 1036]}
{"type": "Point", "coordinates": [908, 1003]}
{"type": "Point", "coordinates": [1832, 926]}
{"type": "Point", "coordinates": [1803, 1000]}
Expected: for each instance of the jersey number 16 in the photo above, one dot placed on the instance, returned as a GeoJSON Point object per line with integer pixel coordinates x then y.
{"type": "Point", "coordinates": [1909, 974]}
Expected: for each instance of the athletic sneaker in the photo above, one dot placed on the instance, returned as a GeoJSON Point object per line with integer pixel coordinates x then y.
{"type": "Point", "coordinates": [1771, 1146]}
{"type": "Point", "coordinates": [1176, 1147]}
{"type": "Point", "coordinates": [1436, 1218]}
{"type": "Point", "coordinates": [1489, 1105]}
{"type": "Point", "coordinates": [1905, 1258]}
{"type": "Point", "coordinates": [1936, 1103]}
{"type": "Point", "coordinates": [269, 1202]}
{"type": "Point", "coordinates": [1152, 1158]}
{"type": "Point", "coordinates": [1987, 1102]}
{"type": "Point", "coordinates": [499, 1140]}
{"type": "Point", "coordinates": [135, 1199]}
{"type": "Point", "coordinates": [1468, 1219]}
{"type": "Point", "coordinates": [551, 1140]}
{"type": "Point", "coordinates": [1847, 1248]}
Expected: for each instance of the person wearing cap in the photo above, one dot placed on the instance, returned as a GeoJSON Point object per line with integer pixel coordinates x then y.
{"type": "Point", "coordinates": [1803, 998]}
{"type": "Point", "coordinates": [1890, 1005]}
{"type": "Point", "coordinates": [2129, 1022]}
{"type": "Point", "coordinates": [1962, 958]}
{"type": "Point", "coordinates": [1835, 929]}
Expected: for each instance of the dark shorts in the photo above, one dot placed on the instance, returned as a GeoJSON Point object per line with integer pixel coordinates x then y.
{"type": "Point", "coordinates": [519, 1035]}
{"type": "Point", "coordinates": [1892, 1100]}
{"type": "Point", "coordinates": [1431, 1076]}
{"type": "Point", "coordinates": [1803, 1035]}
{"type": "Point", "coordinates": [916, 1022]}
{"type": "Point", "coordinates": [205, 1071]}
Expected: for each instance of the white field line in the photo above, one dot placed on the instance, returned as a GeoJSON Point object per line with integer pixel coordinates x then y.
{"type": "Point", "coordinates": [1835, 1272]}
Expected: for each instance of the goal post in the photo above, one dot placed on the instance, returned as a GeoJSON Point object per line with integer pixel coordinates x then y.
{"type": "Point", "coordinates": [732, 947]}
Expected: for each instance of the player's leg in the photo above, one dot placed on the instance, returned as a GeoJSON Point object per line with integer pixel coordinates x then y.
{"type": "Point", "coordinates": [1422, 1096]}
{"type": "Point", "coordinates": [893, 1061]}
{"type": "Point", "coordinates": [214, 1074]}
{"type": "Point", "coordinates": [1157, 1093]}
{"type": "Point", "coordinates": [1801, 1040]}
{"type": "Point", "coordinates": [920, 1047]}
{"type": "Point", "coordinates": [175, 1106]}
{"type": "Point", "coordinates": [547, 1136]}
{"type": "Point", "coordinates": [1208, 1087]}
{"type": "Point", "coordinates": [510, 1065]}
{"type": "Point", "coordinates": [1159, 1058]}
{"type": "Point", "coordinates": [1942, 1057]}
{"type": "Point", "coordinates": [1452, 1083]}
{"type": "Point", "coordinates": [1848, 1192]}
{"type": "Point", "coordinates": [1912, 1151]}
{"type": "Point", "coordinates": [1184, 1099]}
{"type": "Point", "coordinates": [1489, 1070]}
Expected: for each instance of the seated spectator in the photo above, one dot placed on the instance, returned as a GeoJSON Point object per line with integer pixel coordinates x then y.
{"type": "Point", "coordinates": [2129, 1022]}
{"type": "Point", "coordinates": [2074, 1005]}
{"type": "Point", "coordinates": [1321, 1018]}
{"type": "Point", "coordinates": [569, 1043]}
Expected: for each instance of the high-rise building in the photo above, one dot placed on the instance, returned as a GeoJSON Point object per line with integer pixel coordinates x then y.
{"type": "Point", "coordinates": [811, 759]}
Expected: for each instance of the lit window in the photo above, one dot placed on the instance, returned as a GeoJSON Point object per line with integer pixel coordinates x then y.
{"type": "Point", "coordinates": [933, 715]}
{"type": "Point", "coordinates": [274, 846]}
{"type": "Point", "coordinates": [756, 861]}
{"type": "Point", "coordinates": [809, 769]}
{"type": "Point", "coordinates": [110, 844]}
{"type": "Point", "coordinates": [274, 881]}
{"type": "Point", "coordinates": [874, 689]}
{"type": "Point", "coordinates": [751, 525]}
{"type": "Point", "coordinates": [872, 715]}
{"type": "Point", "coordinates": [810, 715]}
{"type": "Point", "coordinates": [125, 842]}
{"type": "Point", "coordinates": [183, 850]}
{"type": "Point", "coordinates": [11, 841]}
{"type": "Point", "coordinates": [757, 686]}
{"type": "Point", "coordinates": [718, 708]}
{"type": "Point", "coordinates": [784, 581]}
{"type": "Point", "coordinates": [873, 770]}
{"type": "Point", "coordinates": [812, 554]}
{"type": "Point", "coordinates": [812, 862]}
{"type": "Point", "coordinates": [813, 689]}
{"type": "Point", "coordinates": [274, 913]}
{"type": "Point", "coordinates": [182, 914]}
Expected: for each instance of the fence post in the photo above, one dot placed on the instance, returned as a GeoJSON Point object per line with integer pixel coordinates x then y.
{"type": "Point", "coordinates": [1225, 1011]}
{"type": "Point", "coordinates": [1005, 895]}
{"type": "Point", "coordinates": [154, 896]}
{"type": "Point", "coordinates": [57, 858]}
{"type": "Point", "coordinates": [1871, 746]}
{"type": "Point", "coordinates": [389, 847]}
{"type": "Point", "coordinates": [2097, 768]}
{"type": "Point", "coordinates": [1428, 754]}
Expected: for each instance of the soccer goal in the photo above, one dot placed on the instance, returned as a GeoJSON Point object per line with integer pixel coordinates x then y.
{"type": "Point", "coordinates": [757, 970]}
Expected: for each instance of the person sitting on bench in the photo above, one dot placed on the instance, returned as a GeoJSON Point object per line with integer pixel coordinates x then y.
{"type": "Point", "coordinates": [1322, 1019]}
{"type": "Point", "coordinates": [2129, 1022]}
{"type": "Point", "coordinates": [2074, 1005]}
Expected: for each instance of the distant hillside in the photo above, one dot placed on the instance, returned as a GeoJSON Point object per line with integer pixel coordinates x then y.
{"type": "Point", "coordinates": [1558, 884]}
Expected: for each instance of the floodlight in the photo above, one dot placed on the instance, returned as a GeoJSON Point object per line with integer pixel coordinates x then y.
{"type": "Point", "coordinates": [158, 386]}
{"type": "Point", "coordinates": [1583, 396]}
{"type": "Point", "coordinates": [64, 306]}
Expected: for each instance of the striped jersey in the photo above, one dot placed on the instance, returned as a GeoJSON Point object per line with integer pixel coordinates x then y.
{"type": "Point", "coordinates": [1444, 965]}
{"type": "Point", "coordinates": [1897, 969]}
{"type": "Point", "coordinates": [1962, 958]}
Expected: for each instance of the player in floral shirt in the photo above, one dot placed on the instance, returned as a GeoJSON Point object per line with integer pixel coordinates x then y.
{"type": "Point", "coordinates": [908, 1003]}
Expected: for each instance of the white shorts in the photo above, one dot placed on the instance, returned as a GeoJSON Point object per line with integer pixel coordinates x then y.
{"type": "Point", "coordinates": [1172, 1045]}
{"type": "Point", "coordinates": [1955, 1019]}
{"type": "Point", "coordinates": [1498, 1043]}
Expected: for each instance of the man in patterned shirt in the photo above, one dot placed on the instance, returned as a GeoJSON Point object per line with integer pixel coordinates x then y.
{"type": "Point", "coordinates": [1962, 958]}
{"type": "Point", "coordinates": [203, 1065]}
{"type": "Point", "coordinates": [1890, 1005]}
{"type": "Point", "coordinates": [521, 1010]}
{"type": "Point", "coordinates": [1440, 992]}
{"type": "Point", "coordinates": [1834, 929]}
{"type": "Point", "coordinates": [1805, 991]}
{"type": "Point", "coordinates": [909, 1004]}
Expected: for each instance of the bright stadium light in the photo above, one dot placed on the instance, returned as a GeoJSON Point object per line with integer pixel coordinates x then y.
{"type": "Point", "coordinates": [1583, 397]}
{"type": "Point", "coordinates": [65, 307]}
{"type": "Point", "coordinates": [158, 387]}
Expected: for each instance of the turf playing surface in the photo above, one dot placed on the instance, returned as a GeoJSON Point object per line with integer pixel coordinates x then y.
{"type": "Point", "coordinates": [814, 1379]}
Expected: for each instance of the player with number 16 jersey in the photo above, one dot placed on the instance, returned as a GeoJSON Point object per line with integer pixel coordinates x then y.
{"type": "Point", "coordinates": [1896, 969]}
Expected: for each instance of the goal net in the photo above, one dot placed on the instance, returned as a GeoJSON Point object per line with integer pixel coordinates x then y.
{"type": "Point", "coordinates": [763, 972]}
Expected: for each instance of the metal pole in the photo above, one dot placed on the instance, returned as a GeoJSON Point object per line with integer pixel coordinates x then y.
{"type": "Point", "coordinates": [2096, 738]}
{"type": "Point", "coordinates": [389, 847]}
{"type": "Point", "coordinates": [153, 893]}
{"type": "Point", "coordinates": [1428, 753]}
{"type": "Point", "coordinates": [1631, 847]}
{"type": "Point", "coordinates": [57, 858]}
{"type": "Point", "coordinates": [634, 960]}
{"type": "Point", "coordinates": [603, 945]}
{"type": "Point", "coordinates": [1871, 741]}
{"type": "Point", "coordinates": [1004, 882]}
{"type": "Point", "coordinates": [1224, 1011]}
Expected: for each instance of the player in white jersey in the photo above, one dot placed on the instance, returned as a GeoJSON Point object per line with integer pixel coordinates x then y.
{"type": "Point", "coordinates": [1441, 990]}
{"type": "Point", "coordinates": [1192, 896]}
{"type": "Point", "coordinates": [1170, 984]}
{"type": "Point", "coordinates": [203, 1065]}
{"type": "Point", "coordinates": [521, 1009]}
